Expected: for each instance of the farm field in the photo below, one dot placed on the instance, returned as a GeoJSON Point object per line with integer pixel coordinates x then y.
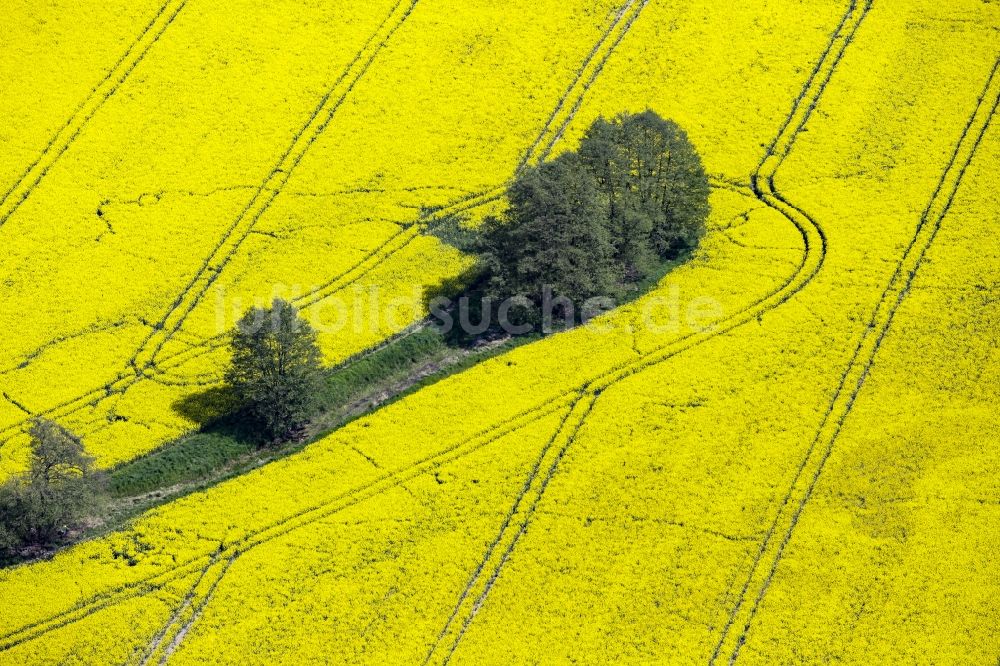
{"type": "Point", "coordinates": [804, 472]}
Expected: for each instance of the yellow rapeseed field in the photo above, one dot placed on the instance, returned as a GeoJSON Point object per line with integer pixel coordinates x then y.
{"type": "Point", "coordinates": [787, 452]}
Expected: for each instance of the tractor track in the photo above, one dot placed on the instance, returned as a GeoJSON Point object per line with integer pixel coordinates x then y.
{"type": "Point", "coordinates": [815, 244]}
{"type": "Point", "coordinates": [170, 637]}
{"type": "Point", "coordinates": [214, 267]}
{"type": "Point", "coordinates": [854, 376]}
{"type": "Point", "coordinates": [467, 593]}
{"type": "Point", "coordinates": [187, 600]}
{"type": "Point", "coordinates": [260, 536]}
{"type": "Point", "coordinates": [105, 89]}
{"type": "Point", "coordinates": [270, 187]}
{"type": "Point", "coordinates": [282, 526]}
{"type": "Point", "coordinates": [369, 262]}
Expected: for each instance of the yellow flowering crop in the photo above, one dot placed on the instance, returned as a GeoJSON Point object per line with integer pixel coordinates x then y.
{"type": "Point", "coordinates": [163, 224]}
{"type": "Point", "coordinates": [785, 453]}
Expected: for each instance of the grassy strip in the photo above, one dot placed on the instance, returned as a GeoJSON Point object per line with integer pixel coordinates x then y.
{"type": "Point", "coordinates": [356, 387]}
{"type": "Point", "coordinates": [351, 390]}
{"type": "Point", "coordinates": [222, 449]}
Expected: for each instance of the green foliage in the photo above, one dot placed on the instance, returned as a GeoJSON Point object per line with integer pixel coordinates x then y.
{"type": "Point", "coordinates": [553, 235]}
{"type": "Point", "coordinates": [56, 493]}
{"type": "Point", "coordinates": [223, 441]}
{"type": "Point", "coordinates": [453, 230]}
{"type": "Point", "coordinates": [276, 369]}
{"type": "Point", "coordinates": [57, 455]}
{"type": "Point", "coordinates": [222, 449]}
{"type": "Point", "coordinates": [654, 183]}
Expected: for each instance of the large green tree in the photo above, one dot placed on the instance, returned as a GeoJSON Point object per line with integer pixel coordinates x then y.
{"type": "Point", "coordinates": [588, 223]}
{"type": "Point", "coordinates": [553, 236]}
{"type": "Point", "coordinates": [276, 369]}
{"type": "Point", "coordinates": [654, 183]}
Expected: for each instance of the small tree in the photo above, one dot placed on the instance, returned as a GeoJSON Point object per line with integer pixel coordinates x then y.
{"type": "Point", "coordinates": [56, 493]}
{"type": "Point", "coordinates": [276, 369]}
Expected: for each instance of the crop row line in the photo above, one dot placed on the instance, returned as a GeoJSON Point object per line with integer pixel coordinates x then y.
{"type": "Point", "coordinates": [64, 137]}
{"type": "Point", "coordinates": [856, 373]}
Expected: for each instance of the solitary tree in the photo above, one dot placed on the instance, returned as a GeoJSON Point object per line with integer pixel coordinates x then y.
{"type": "Point", "coordinates": [56, 493]}
{"type": "Point", "coordinates": [275, 371]}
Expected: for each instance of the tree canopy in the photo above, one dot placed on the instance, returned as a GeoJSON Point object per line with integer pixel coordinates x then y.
{"type": "Point", "coordinates": [276, 369]}
{"type": "Point", "coordinates": [589, 223]}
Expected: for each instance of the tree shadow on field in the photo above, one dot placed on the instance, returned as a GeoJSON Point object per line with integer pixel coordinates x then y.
{"type": "Point", "coordinates": [215, 411]}
{"type": "Point", "coordinates": [206, 406]}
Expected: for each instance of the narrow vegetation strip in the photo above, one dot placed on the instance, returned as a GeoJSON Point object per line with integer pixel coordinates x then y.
{"type": "Point", "coordinates": [221, 449]}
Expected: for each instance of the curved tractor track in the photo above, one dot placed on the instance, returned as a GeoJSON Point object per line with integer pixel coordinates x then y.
{"type": "Point", "coordinates": [145, 363]}
{"type": "Point", "coordinates": [852, 380]}
{"type": "Point", "coordinates": [519, 517]}
{"type": "Point", "coordinates": [91, 104]}
{"type": "Point", "coordinates": [568, 402]}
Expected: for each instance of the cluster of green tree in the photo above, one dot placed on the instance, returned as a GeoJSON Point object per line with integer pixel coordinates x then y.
{"type": "Point", "coordinates": [57, 492]}
{"type": "Point", "coordinates": [589, 223]}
